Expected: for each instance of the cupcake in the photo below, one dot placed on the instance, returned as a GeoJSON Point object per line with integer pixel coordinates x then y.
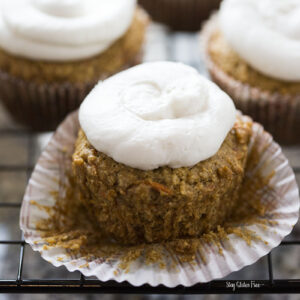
{"type": "Point", "coordinates": [160, 154]}
{"type": "Point", "coordinates": [53, 52]}
{"type": "Point", "coordinates": [158, 180]}
{"type": "Point", "coordinates": [253, 53]}
{"type": "Point", "coordinates": [180, 14]}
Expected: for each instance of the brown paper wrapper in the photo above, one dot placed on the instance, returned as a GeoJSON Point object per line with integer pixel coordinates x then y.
{"type": "Point", "coordinates": [42, 106]}
{"type": "Point", "coordinates": [180, 14]}
{"type": "Point", "coordinates": [280, 114]}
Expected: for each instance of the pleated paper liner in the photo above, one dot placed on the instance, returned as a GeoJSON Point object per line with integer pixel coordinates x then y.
{"type": "Point", "coordinates": [180, 14]}
{"type": "Point", "coordinates": [280, 114]}
{"type": "Point", "coordinates": [42, 106]}
{"type": "Point", "coordinates": [49, 180]}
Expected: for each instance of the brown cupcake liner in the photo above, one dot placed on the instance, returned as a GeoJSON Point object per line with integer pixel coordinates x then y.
{"type": "Point", "coordinates": [42, 106]}
{"type": "Point", "coordinates": [279, 113]}
{"type": "Point", "coordinates": [180, 14]}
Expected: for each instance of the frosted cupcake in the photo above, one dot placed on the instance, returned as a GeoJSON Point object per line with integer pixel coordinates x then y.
{"type": "Point", "coordinates": [158, 180]}
{"type": "Point", "coordinates": [161, 154]}
{"type": "Point", "coordinates": [52, 52]}
{"type": "Point", "coordinates": [253, 52]}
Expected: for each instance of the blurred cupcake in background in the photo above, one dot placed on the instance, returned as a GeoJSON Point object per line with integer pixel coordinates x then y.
{"type": "Point", "coordinates": [252, 51]}
{"type": "Point", "coordinates": [180, 14]}
{"type": "Point", "coordinates": [52, 52]}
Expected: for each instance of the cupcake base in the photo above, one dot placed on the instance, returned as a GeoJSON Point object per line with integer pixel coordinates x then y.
{"type": "Point", "coordinates": [278, 112]}
{"type": "Point", "coordinates": [162, 204]}
{"type": "Point", "coordinates": [40, 94]}
{"type": "Point", "coordinates": [180, 14]}
{"type": "Point", "coordinates": [41, 106]}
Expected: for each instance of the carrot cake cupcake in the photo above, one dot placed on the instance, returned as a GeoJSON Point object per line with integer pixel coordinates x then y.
{"type": "Point", "coordinates": [253, 52]}
{"type": "Point", "coordinates": [160, 154]}
{"type": "Point", "coordinates": [52, 52]}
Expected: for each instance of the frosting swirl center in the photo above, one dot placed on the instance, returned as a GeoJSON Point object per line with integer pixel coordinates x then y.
{"type": "Point", "coordinates": [61, 8]}
{"type": "Point", "coordinates": [176, 100]}
{"type": "Point", "coordinates": [282, 16]}
{"type": "Point", "coordinates": [157, 114]}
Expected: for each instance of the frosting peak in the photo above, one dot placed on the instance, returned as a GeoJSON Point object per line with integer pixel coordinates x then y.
{"type": "Point", "coordinates": [62, 30]}
{"type": "Point", "coordinates": [266, 34]}
{"type": "Point", "coordinates": [170, 100]}
{"type": "Point", "coordinates": [282, 16]}
{"type": "Point", "coordinates": [61, 8]}
{"type": "Point", "coordinates": [157, 114]}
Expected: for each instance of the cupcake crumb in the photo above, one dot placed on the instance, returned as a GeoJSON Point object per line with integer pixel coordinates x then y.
{"type": "Point", "coordinates": [70, 227]}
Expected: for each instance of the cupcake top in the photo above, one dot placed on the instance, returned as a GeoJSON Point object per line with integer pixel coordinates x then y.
{"type": "Point", "coordinates": [266, 34]}
{"type": "Point", "coordinates": [157, 114]}
{"type": "Point", "coordinates": [62, 30]}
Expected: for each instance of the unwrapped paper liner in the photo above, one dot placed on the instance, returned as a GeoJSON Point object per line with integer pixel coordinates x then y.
{"type": "Point", "coordinates": [50, 173]}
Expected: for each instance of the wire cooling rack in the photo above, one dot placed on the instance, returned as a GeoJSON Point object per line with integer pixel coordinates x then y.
{"type": "Point", "coordinates": [163, 46]}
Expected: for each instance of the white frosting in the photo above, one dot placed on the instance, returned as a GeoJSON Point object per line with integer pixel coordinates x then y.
{"type": "Point", "coordinates": [157, 114]}
{"type": "Point", "coordinates": [62, 30]}
{"type": "Point", "coordinates": [266, 34]}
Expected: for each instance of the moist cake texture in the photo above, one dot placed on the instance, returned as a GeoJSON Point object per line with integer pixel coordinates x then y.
{"type": "Point", "coordinates": [134, 206]}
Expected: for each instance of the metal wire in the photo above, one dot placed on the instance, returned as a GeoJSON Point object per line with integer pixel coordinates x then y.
{"type": "Point", "coordinates": [30, 151]}
{"type": "Point", "coordinates": [85, 285]}
{"type": "Point", "coordinates": [270, 269]}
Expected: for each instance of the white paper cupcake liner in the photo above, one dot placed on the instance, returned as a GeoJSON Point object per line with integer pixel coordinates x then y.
{"type": "Point", "coordinates": [49, 173]}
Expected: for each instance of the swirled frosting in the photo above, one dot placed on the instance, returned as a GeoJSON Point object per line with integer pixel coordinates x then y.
{"type": "Point", "coordinates": [157, 114]}
{"type": "Point", "coordinates": [266, 34]}
{"type": "Point", "coordinates": [62, 30]}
